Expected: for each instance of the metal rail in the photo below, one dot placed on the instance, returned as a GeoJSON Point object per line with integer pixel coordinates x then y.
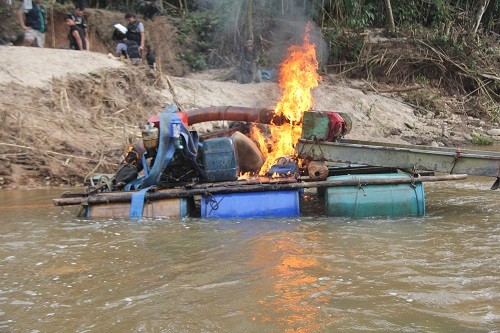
{"type": "Point", "coordinates": [407, 157]}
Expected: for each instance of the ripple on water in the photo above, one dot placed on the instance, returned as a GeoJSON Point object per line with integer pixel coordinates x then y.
{"type": "Point", "coordinates": [309, 274]}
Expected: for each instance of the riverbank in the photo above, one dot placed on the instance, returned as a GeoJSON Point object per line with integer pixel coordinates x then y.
{"type": "Point", "coordinates": [66, 115]}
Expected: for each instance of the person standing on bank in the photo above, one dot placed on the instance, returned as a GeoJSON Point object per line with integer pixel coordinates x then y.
{"type": "Point", "coordinates": [76, 35]}
{"type": "Point", "coordinates": [81, 22]}
{"type": "Point", "coordinates": [33, 19]}
{"type": "Point", "coordinates": [149, 8]}
{"type": "Point", "coordinates": [248, 66]}
{"type": "Point", "coordinates": [135, 31]}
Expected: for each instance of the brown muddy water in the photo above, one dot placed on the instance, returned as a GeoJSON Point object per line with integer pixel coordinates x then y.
{"type": "Point", "coordinates": [438, 273]}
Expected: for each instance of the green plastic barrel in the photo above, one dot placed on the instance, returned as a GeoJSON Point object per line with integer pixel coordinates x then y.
{"type": "Point", "coordinates": [365, 200]}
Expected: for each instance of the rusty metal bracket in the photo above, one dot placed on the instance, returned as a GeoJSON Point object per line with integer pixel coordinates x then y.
{"type": "Point", "coordinates": [360, 187]}
{"type": "Point", "coordinates": [458, 152]}
{"type": "Point", "coordinates": [316, 143]}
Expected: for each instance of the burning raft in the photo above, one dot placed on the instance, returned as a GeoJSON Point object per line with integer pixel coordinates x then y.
{"type": "Point", "coordinates": [172, 172]}
{"type": "Point", "coordinates": [179, 169]}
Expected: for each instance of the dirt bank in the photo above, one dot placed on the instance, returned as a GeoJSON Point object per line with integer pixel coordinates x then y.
{"type": "Point", "coordinates": [67, 114]}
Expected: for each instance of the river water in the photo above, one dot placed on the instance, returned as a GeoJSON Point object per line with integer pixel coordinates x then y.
{"type": "Point", "coordinates": [438, 273]}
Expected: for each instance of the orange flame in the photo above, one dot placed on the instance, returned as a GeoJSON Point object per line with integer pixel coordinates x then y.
{"type": "Point", "coordinates": [297, 77]}
{"type": "Point", "coordinates": [244, 176]}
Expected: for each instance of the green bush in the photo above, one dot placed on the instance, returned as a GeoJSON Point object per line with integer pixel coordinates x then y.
{"type": "Point", "coordinates": [482, 140]}
{"type": "Point", "coordinates": [197, 32]}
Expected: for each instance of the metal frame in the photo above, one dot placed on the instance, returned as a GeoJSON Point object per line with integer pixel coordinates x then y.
{"type": "Point", "coordinates": [406, 157]}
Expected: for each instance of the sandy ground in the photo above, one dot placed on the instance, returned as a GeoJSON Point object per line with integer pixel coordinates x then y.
{"type": "Point", "coordinates": [34, 67]}
{"type": "Point", "coordinates": [376, 117]}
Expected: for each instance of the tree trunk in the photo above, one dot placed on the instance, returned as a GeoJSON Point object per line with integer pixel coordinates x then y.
{"type": "Point", "coordinates": [482, 8]}
{"type": "Point", "coordinates": [128, 5]}
{"type": "Point", "coordinates": [250, 19]}
{"type": "Point", "coordinates": [392, 26]}
{"type": "Point", "coordinates": [183, 6]}
{"type": "Point", "coordinates": [52, 27]}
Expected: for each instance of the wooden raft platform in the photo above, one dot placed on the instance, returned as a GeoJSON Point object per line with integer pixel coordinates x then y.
{"type": "Point", "coordinates": [259, 184]}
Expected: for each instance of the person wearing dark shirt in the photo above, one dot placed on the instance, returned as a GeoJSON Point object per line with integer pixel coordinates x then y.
{"type": "Point", "coordinates": [149, 8]}
{"type": "Point", "coordinates": [33, 19]}
{"type": "Point", "coordinates": [82, 22]}
{"type": "Point", "coordinates": [135, 31]}
{"type": "Point", "coordinates": [128, 48]}
{"type": "Point", "coordinates": [76, 35]}
{"type": "Point", "coordinates": [248, 65]}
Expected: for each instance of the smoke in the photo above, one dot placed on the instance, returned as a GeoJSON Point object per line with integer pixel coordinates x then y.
{"type": "Point", "coordinates": [209, 4]}
{"type": "Point", "coordinates": [286, 33]}
{"type": "Point", "coordinates": [275, 28]}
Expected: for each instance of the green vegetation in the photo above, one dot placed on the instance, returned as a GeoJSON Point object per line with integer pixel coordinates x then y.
{"type": "Point", "coordinates": [482, 140]}
{"type": "Point", "coordinates": [9, 26]}
{"type": "Point", "coordinates": [197, 31]}
{"type": "Point", "coordinates": [367, 110]}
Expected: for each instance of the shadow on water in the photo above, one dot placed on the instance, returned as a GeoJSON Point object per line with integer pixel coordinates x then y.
{"type": "Point", "coordinates": [438, 273]}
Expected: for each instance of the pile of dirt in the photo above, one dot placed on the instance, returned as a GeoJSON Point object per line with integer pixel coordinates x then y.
{"type": "Point", "coordinates": [65, 113]}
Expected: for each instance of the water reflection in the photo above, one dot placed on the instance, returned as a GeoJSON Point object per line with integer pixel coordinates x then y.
{"type": "Point", "coordinates": [299, 285]}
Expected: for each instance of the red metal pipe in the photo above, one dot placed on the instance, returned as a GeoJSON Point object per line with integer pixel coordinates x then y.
{"type": "Point", "coordinates": [256, 115]}
{"type": "Point", "coordinates": [234, 113]}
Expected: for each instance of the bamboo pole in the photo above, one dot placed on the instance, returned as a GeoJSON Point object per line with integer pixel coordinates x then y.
{"type": "Point", "coordinates": [104, 198]}
{"type": "Point", "coordinates": [52, 26]}
{"type": "Point", "coordinates": [388, 6]}
{"type": "Point", "coordinates": [172, 91]}
{"type": "Point", "coordinates": [482, 8]}
{"type": "Point", "coordinates": [250, 19]}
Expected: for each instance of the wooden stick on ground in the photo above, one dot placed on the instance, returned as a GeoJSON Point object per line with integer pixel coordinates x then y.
{"type": "Point", "coordinates": [174, 97]}
{"type": "Point", "coordinates": [45, 151]}
{"type": "Point", "coordinates": [387, 90]}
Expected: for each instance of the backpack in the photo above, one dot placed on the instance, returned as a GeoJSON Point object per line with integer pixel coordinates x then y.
{"type": "Point", "coordinates": [132, 49]}
{"type": "Point", "coordinates": [35, 17]}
